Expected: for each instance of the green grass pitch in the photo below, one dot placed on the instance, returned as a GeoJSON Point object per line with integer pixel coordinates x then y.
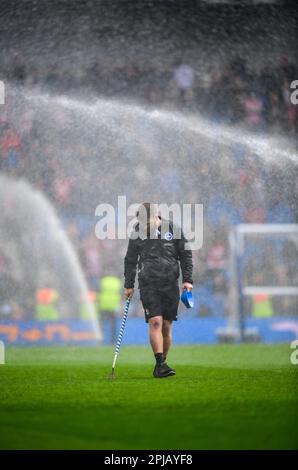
{"type": "Point", "coordinates": [223, 397]}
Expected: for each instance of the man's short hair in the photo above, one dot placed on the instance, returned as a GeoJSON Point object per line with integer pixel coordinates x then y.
{"type": "Point", "coordinates": [145, 212]}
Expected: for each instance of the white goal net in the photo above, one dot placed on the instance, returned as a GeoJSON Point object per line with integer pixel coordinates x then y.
{"type": "Point", "coordinates": [263, 275]}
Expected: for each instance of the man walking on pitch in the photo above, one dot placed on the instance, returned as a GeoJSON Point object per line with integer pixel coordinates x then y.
{"type": "Point", "coordinates": [156, 250]}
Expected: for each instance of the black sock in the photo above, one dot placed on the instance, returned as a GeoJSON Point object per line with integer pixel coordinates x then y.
{"type": "Point", "coordinates": [159, 358]}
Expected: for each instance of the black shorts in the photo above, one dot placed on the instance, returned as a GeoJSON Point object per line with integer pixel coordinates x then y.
{"type": "Point", "coordinates": [160, 301]}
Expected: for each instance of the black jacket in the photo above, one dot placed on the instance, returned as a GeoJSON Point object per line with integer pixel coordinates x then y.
{"type": "Point", "coordinates": [157, 259]}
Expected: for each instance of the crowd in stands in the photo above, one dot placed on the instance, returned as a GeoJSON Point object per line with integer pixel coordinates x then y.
{"type": "Point", "coordinates": [260, 98]}
{"type": "Point", "coordinates": [64, 170]}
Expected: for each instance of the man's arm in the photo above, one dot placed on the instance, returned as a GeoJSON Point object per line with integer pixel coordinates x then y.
{"type": "Point", "coordinates": [185, 257]}
{"type": "Point", "coordinates": [130, 264]}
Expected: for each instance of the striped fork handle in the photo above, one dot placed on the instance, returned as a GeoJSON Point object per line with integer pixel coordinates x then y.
{"type": "Point", "coordinates": [121, 331]}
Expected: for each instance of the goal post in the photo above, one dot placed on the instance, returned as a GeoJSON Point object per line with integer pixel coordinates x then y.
{"type": "Point", "coordinates": [261, 270]}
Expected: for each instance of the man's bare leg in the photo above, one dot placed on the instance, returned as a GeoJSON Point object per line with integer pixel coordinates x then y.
{"type": "Point", "coordinates": [167, 336]}
{"type": "Point", "coordinates": [156, 337]}
{"type": "Point", "coordinates": [157, 343]}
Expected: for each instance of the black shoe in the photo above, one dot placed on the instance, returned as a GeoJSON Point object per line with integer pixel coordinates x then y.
{"type": "Point", "coordinates": [163, 371]}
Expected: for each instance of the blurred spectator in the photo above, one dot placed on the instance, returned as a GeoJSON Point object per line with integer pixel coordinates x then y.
{"type": "Point", "coordinates": [91, 260]}
{"type": "Point", "coordinates": [253, 106]}
{"type": "Point", "coordinates": [184, 80]}
{"type": "Point", "coordinates": [216, 258]}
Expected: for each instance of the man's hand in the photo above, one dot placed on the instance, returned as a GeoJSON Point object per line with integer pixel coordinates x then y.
{"type": "Point", "coordinates": [187, 285]}
{"type": "Point", "coordinates": [128, 292]}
